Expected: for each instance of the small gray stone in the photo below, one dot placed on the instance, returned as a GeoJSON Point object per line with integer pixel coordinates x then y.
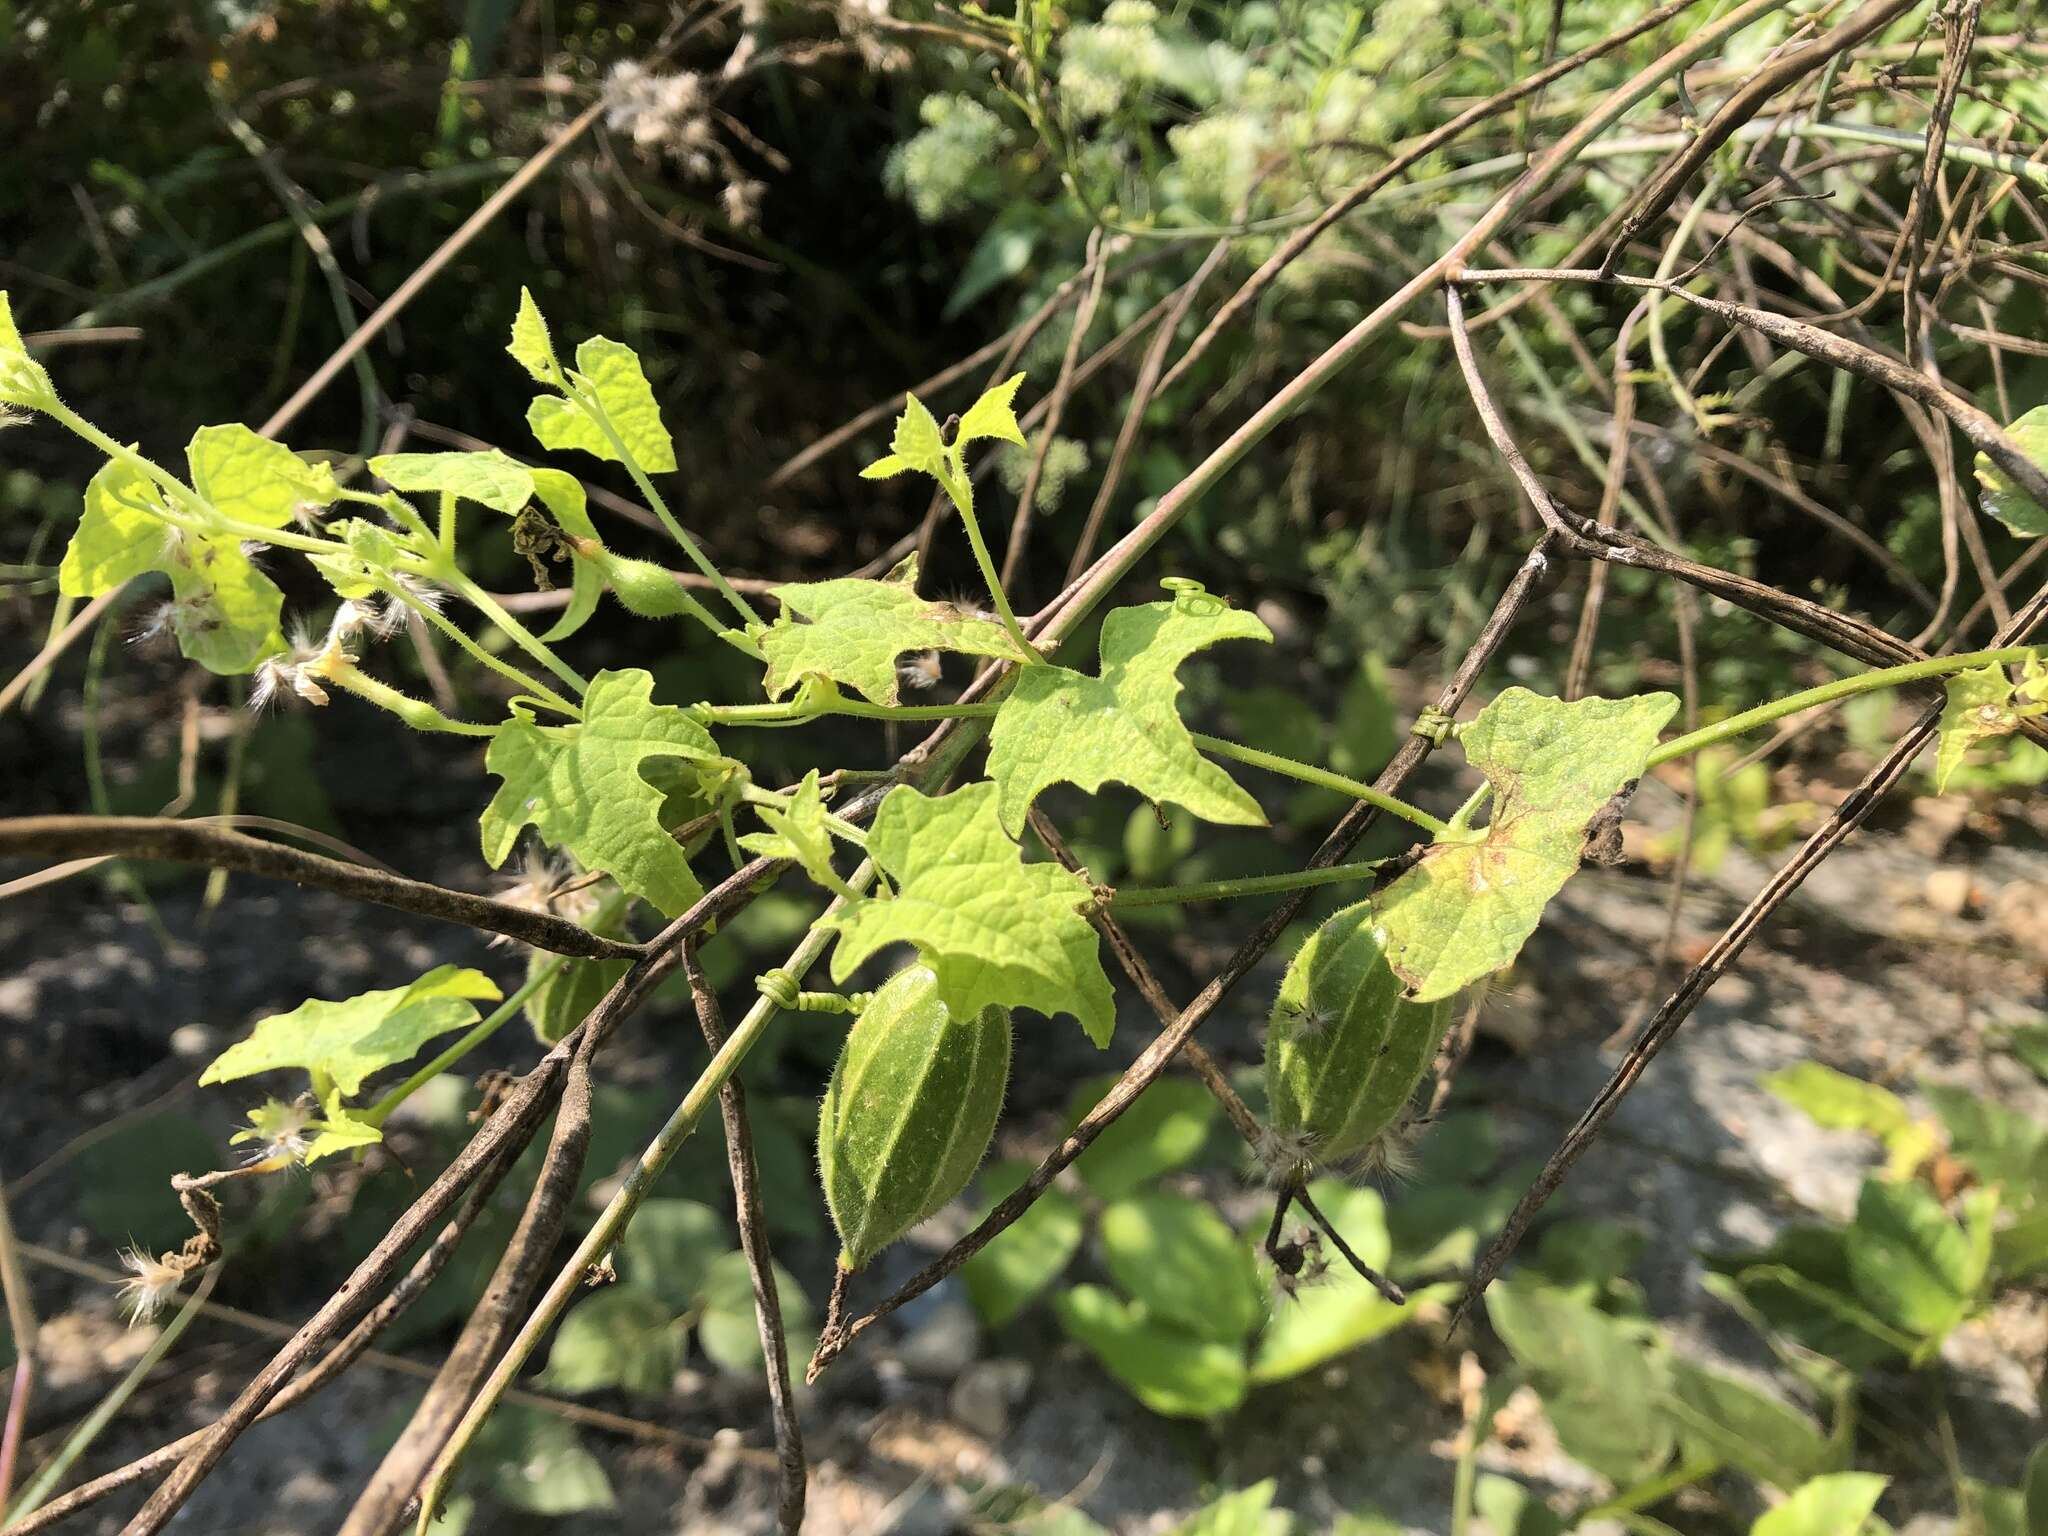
{"type": "Point", "coordinates": [985, 1394]}
{"type": "Point", "coordinates": [943, 1342]}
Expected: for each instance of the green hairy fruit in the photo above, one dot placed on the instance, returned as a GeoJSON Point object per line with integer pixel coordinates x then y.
{"type": "Point", "coordinates": [1345, 1049]}
{"type": "Point", "coordinates": [645, 588]}
{"type": "Point", "coordinates": [909, 1113]}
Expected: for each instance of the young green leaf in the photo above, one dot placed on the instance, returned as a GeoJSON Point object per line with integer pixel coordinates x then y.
{"type": "Point", "coordinates": [1844, 1103]}
{"type": "Point", "coordinates": [1344, 1049]}
{"type": "Point", "coordinates": [1467, 908]}
{"type": "Point", "coordinates": [563, 495]}
{"type": "Point", "coordinates": [1026, 1256]}
{"type": "Point", "coordinates": [1600, 1385]}
{"type": "Point", "coordinates": [348, 1040]}
{"type": "Point", "coordinates": [995, 929]}
{"type": "Point", "coordinates": [1170, 1371]}
{"type": "Point", "coordinates": [1248, 1512]}
{"type": "Point", "coordinates": [225, 613]}
{"type": "Point", "coordinates": [1165, 1128]}
{"type": "Point", "coordinates": [799, 833]}
{"type": "Point", "coordinates": [255, 480]}
{"type": "Point", "coordinates": [1062, 726]}
{"type": "Point", "coordinates": [611, 371]}
{"type": "Point", "coordinates": [581, 786]}
{"type": "Point", "coordinates": [2006, 501]}
{"type": "Point", "coordinates": [1839, 1504]}
{"type": "Point", "coordinates": [1179, 1258]}
{"type": "Point", "coordinates": [992, 415]}
{"type": "Point", "coordinates": [531, 346]}
{"type": "Point", "coordinates": [624, 1337]}
{"type": "Point", "coordinates": [909, 1112]}
{"type": "Point", "coordinates": [916, 445]}
{"type": "Point", "coordinates": [1981, 706]}
{"type": "Point", "coordinates": [22, 379]}
{"type": "Point", "coordinates": [489, 479]}
{"type": "Point", "coordinates": [1911, 1264]}
{"type": "Point", "coordinates": [852, 631]}
{"type": "Point", "coordinates": [1729, 1420]}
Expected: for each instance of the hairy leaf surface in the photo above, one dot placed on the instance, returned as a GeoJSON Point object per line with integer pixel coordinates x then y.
{"type": "Point", "coordinates": [2006, 501]}
{"type": "Point", "coordinates": [1467, 908]}
{"type": "Point", "coordinates": [489, 479]}
{"type": "Point", "coordinates": [348, 1040]}
{"type": "Point", "coordinates": [852, 631]}
{"type": "Point", "coordinates": [581, 786]}
{"type": "Point", "coordinates": [1123, 725]}
{"type": "Point", "coordinates": [995, 929]}
{"type": "Point", "coordinates": [612, 371]}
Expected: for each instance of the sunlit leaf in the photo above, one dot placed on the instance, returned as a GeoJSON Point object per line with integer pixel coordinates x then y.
{"type": "Point", "coordinates": [348, 1040]}
{"type": "Point", "coordinates": [1179, 1258]}
{"type": "Point", "coordinates": [1980, 708]}
{"type": "Point", "coordinates": [1028, 1255]}
{"type": "Point", "coordinates": [2006, 501]}
{"type": "Point", "coordinates": [22, 379]}
{"type": "Point", "coordinates": [993, 415]}
{"type": "Point", "coordinates": [581, 786]}
{"type": "Point", "coordinates": [1122, 725]}
{"type": "Point", "coordinates": [852, 631]}
{"type": "Point", "coordinates": [995, 929]}
{"type": "Point", "coordinates": [531, 346]}
{"type": "Point", "coordinates": [915, 445]}
{"type": "Point", "coordinates": [1170, 1371]}
{"type": "Point", "coordinates": [613, 374]}
{"type": "Point", "coordinates": [1468, 907]}
{"type": "Point", "coordinates": [489, 479]}
{"type": "Point", "coordinates": [253, 479]}
{"type": "Point", "coordinates": [798, 832]}
{"type": "Point", "coordinates": [1909, 1260]}
{"type": "Point", "coordinates": [1836, 1505]}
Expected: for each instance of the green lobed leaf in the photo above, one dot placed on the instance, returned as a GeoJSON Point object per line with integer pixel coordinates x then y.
{"type": "Point", "coordinates": [1600, 1385]}
{"type": "Point", "coordinates": [489, 479]}
{"type": "Point", "coordinates": [908, 1114]}
{"type": "Point", "coordinates": [1839, 1504]}
{"type": "Point", "coordinates": [1467, 908]}
{"type": "Point", "coordinates": [852, 631]}
{"type": "Point", "coordinates": [348, 1040]}
{"type": "Point", "coordinates": [1341, 1310]}
{"type": "Point", "coordinates": [1122, 725]}
{"type": "Point", "coordinates": [1980, 708]}
{"type": "Point", "coordinates": [2006, 501]}
{"type": "Point", "coordinates": [1182, 1261]}
{"type": "Point", "coordinates": [798, 833]}
{"type": "Point", "coordinates": [1028, 1255]}
{"type": "Point", "coordinates": [22, 379]}
{"type": "Point", "coordinates": [581, 786]}
{"type": "Point", "coordinates": [994, 929]}
{"type": "Point", "coordinates": [1172, 1372]}
{"type": "Point", "coordinates": [915, 445]}
{"type": "Point", "coordinates": [612, 372]}
{"type": "Point", "coordinates": [531, 347]}
{"type": "Point", "coordinates": [993, 415]}
{"type": "Point", "coordinates": [1911, 1264]}
{"type": "Point", "coordinates": [254, 479]}
{"type": "Point", "coordinates": [225, 613]}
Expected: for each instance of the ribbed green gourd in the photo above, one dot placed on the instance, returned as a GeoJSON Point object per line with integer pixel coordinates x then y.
{"type": "Point", "coordinates": [909, 1113]}
{"type": "Point", "coordinates": [1345, 1050]}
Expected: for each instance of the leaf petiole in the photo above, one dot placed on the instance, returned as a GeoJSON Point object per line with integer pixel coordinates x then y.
{"type": "Point", "coordinates": [1308, 773]}
{"type": "Point", "coordinates": [1249, 885]}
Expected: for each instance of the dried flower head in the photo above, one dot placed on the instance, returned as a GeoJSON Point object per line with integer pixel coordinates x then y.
{"type": "Point", "coordinates": [152, 1281]}
{"type": "Point", "coordinates": [277, 1130]}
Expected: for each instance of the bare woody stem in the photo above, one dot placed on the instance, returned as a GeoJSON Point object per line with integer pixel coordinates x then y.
{"type": "Point", "coordinates": [188, 842]}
